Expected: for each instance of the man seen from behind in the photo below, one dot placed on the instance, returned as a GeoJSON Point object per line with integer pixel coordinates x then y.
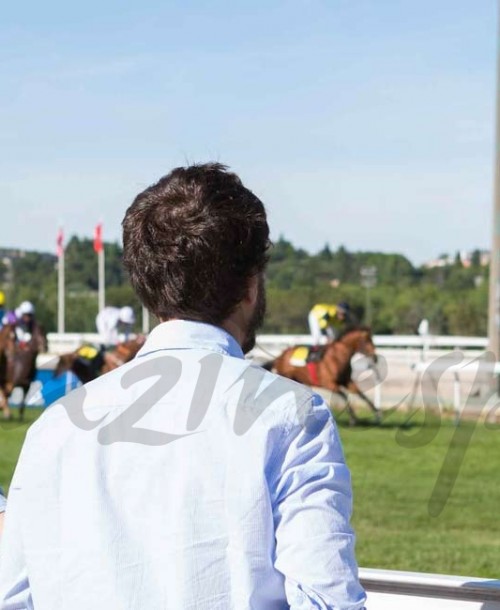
{"type": "Point", "coordinates": [188, 478]}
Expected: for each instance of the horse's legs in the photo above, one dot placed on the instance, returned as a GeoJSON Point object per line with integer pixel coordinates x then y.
{"type": "Point", "coordinates": [4, 405]}
{"type": "Point", "coordinates": [352, 416]}
{"type": "Point", "coordinates": [353, 387]}
{"type": "Point", "coordinates": [22, 405]}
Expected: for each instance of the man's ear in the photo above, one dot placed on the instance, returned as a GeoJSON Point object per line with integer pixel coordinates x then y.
{"type": "Point", "coordinates": [253, 290]}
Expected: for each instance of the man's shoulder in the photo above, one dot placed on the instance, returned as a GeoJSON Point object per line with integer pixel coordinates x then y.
{"type": "Point", "coordinates": [267, 379]}
{"type": "Point", "coordinates": [285, 400]}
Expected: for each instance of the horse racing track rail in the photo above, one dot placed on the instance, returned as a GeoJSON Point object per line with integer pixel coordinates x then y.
{"type": "Point", "coordinates": [388, 590]}
{"type": "Point", "coordinates": [66, 342]}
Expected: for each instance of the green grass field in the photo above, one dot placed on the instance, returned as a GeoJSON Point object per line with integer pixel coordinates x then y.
{"type": "Point", "coordinates": [431, 507]}
{"type": "Point", "coordinates": [398, 526]}
{"type": "Point", "coordinates": [12, 435]}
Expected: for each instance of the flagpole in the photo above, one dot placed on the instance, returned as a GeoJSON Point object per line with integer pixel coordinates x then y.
{"type": "Point", "coordinates": [100, 264]}
{"type": "Point", "coordinates": [99, 249]}
{"type": "Point", "coordinates": [494, 292]}
{"type": "Point", "coordinates": [60, 283]}
{"type": "Point", "coordinates": [60, 294]}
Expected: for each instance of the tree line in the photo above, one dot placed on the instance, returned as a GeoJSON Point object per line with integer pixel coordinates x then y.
{"type": "Point", "coordinates": [452, 297]}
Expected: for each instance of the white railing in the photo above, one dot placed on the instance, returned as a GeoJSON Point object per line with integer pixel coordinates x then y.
{"type": "Point", "coordinates": [391, 590]}
{"type": "Point", "coordinates": [430, 341]}
{"type": "Point", "coordinates": [437, 341]}
{"type": "Point", "coordinates": [419, 351]}
{"type": "Point", "coordinates": [60, 343]}
{"type": "Point", "coordinates": [66, 342]}
{"type": "Point", "coordinates": [456, 370]}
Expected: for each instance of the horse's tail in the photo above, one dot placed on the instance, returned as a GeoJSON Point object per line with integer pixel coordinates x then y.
{"type": "Point", "coordinates": [268, 366]}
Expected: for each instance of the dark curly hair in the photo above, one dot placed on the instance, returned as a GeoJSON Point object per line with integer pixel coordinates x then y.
{"type": "Point", "coordinates": [192, 241]}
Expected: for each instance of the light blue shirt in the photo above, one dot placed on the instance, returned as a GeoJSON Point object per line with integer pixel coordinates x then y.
{"type": "Point", "coordinates": [188, 478]}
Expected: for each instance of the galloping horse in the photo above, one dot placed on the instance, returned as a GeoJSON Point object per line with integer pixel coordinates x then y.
{"type": "Point", "coordinates": [87, 362]}
{"type": "Point", "coordinates": [18, 363]}
{"type": "Point", "coordinates": [7, 347]}
{"type": "Point", "coordinates": [333, 369]}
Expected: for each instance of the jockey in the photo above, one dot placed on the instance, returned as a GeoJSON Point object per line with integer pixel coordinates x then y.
{"type": "Point", "coordinates": [26, 322]}
{"type": "Point", "coordinates": [326, 321]}
{"type": "Point", "coordinates": [9, 319]}
{"type": "Point", "coordinates": [111, 320]}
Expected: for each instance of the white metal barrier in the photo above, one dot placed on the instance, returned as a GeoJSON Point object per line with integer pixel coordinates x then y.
{"type": "Point", "coordinates": [269, 346]}
{"type": "Point", "coordinates": [59, 343]}
{"type": "Point", "coordinates": [391, 590]}
{"type": "Point", "coordinates": [410, 347]}
{"type": "Point", "coordinates": [430, 341]}
{"type": "Point", "coordinates": [492, 368]}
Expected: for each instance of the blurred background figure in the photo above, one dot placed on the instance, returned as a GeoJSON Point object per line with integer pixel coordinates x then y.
{"type": "Point", "coordinates": [30, 340]}
{"type": "Point", "coordinates": [111, 321]}
{"type": "Point", "coordinates": [423, 328]}
{"type": "Point", "coordinates": [2, 307]}
{"type": "Point", "coordinates": [29, 333]}
{"type": "Point", "coordinates": [424, 331]}
{"type": "Point", "coordinates": [26, 322]}
{"type": "Point", "coordinates": [327, 321]}
{"type": "Point", "coordinates": [7, 346]}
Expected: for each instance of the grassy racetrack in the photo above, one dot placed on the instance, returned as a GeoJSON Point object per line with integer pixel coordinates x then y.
{"type": "Point", "coordinates": [12, 435]}
{"type": "Point", "coordinates": [393, 484]}
{"type": "Point", "coordinates": [397, 525]}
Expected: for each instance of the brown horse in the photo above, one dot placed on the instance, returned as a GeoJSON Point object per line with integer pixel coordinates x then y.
{"type": "Point", "coordinates": [7, 348]}
{"type": "Point", "coordinates": [88, 362]}
{"type": "Point", "coordinates": [333, 369]}
{"type": "Point", "coordinates": [18, 363]}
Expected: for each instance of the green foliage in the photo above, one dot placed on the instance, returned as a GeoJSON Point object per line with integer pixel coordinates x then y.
{"type": "Point", "coordinates": [453, 297]}
{"type": "Point", "coordinates": [34, 278]}
{"type": "Point", "coordinates": [81, 265]}
{"type": "Point", "coordinates": [447, 296]}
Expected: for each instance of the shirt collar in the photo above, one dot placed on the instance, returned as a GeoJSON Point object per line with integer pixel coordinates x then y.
{"type": "Point", "coordinates": [185, 334]}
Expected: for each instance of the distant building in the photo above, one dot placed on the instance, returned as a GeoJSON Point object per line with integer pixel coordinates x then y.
{"type": "Point", "coordinates": [485, 258]}
{"type": "Point", "coordinates": [466, 258]}
{"type": "Point", "coordinates": [442, 261]}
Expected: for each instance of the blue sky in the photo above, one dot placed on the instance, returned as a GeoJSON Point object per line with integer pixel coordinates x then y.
{"type": "Point", "coordinates": [363, 123]}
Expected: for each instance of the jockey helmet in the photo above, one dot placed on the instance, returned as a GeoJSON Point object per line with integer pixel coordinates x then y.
{"type": "Point", "coordinates": [26, 308]}
{"type": "Point", "coordinates": [2, 298]}
{"type": "Point", "coordinates": [127, 315]}
{"type": "Point", "coordinates": [344, 306]}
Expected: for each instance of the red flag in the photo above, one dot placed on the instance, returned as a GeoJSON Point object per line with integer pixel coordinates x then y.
{"type": "Point", "coordinates": [60, 243]}
{"type": "Point", "coordinates": [98, 245]}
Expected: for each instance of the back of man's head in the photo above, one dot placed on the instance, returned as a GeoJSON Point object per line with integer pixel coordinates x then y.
{"type": "Point", "coordinates": [193, 241]}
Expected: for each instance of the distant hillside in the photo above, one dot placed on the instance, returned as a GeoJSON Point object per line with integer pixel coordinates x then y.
{"type": "Point", "coordinates": [453, 297]}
